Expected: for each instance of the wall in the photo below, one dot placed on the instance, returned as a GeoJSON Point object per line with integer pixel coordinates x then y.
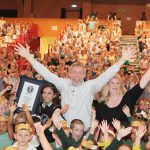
{"type": "Point", "coordinates": [52, 9]}
{"type": "Point", "coordinates": [128, 14]}
{"type": "Point", "coordinates": [13, 4]}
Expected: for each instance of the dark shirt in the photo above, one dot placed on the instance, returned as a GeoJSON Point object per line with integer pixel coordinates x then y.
{"type": "Point", "coordinates": [55, 61]}
{"type": "Point", "coordinates": [46, 113]}
{"type": "Point", "coordinates": [103, 112]}
{"type": "Point", "coordinates": [70, 141]}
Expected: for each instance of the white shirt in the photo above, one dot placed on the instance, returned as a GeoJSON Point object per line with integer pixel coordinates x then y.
{"type": "Point", "coordinates": [79, 98]}
{"type": "Point", "coordinates": [30, 146]}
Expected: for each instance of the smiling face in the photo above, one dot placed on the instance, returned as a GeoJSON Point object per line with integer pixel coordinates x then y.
{"type": "Point", "coordinates": [77, 74]}
{"type": "Point", "coordinates": [77, 131]}
{"type": "Point", "coordinates": [48, 94]}
{"type": "Point", "coordinates": [23, 137]}
{"type": "Point", "coordinates": [114, 86]}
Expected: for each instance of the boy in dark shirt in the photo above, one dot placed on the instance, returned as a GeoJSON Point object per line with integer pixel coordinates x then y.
{"type": "Point", "coordinates": [77, 131]}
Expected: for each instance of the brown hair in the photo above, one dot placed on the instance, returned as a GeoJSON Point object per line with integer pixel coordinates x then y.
{"type": "Point", "coordinates": [76, 121]}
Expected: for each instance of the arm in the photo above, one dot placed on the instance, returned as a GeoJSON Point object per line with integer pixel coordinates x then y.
{"type": "Point", "coordinates": [40, 131]}
{"type": "Point", "coordinates": [145, 79]}
{"type": "Point", "coordinates": [48, 123]}
{"type": "Point", "coordinates": [59, 131]}
{"type": "Point", "coordinates": [139, 134]}
{"type": "Point", "coordinates": [104, 128]}
{"type": "Point", "coordinates": [12, 108]}
{"type": "Point", "coordinates": [8, 88]}
{"type": "Point", "coordinates": [94, 125]}
{"type": "Point", "coordinates": [41, 69]}
{"type": "Point", "coordinates": [126, 111]}
{"type": "Point", "coordinates": [117, 141]}
{"type": "Point", "coordinates": [28, 117]}
{"type": "Point", "coordinates": [100, 81]}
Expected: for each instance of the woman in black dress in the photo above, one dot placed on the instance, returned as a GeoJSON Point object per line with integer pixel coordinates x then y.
{"type": "Point", "coordinates": [114, 98]}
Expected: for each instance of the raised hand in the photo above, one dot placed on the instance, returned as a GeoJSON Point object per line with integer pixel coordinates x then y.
{"type": "Point", "coordinates": [55, 118]}
{"type": "Point", "coordinates": [140, 132]}
{"type": "Point", "coordinates": [123, 132]}
{"type": "Point", "coordinates": [39, 128]}
{"type": "Point", "coordinates": [126, 110]}
{"type": "Point", "coordinates": [64, 109]}
{"type": "Point", "coordinates": [116, 123]}
{"type": "Point", "coordinates": [12, 107]}
{"type": "Point", "coordinates": [128, 52]}
{"type": "Point", "coordinates": [104, 126]}
{"type": "Point", "coordinates": [93, 126]}
{"type": "Point", "coordinates": [22, 51]}
{"type": "Point", "coordinates": [25, 107]}
{"type": "Point", "coordinates": [8, 88]}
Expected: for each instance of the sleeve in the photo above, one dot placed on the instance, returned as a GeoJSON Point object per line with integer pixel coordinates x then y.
{"type": "Point", "coordinates": [49, 76]}
{"type": "Point", "coordinates": [136, 147]}
{"type": "Point", "coordinates": [132, 96]}
{"type": "Point", "coordinates": [130, 119]}
{"type": "Point", "coordinates": [101, 80]}
{"type": "Point", "coordinates": [63, 137]}
{"type": "Point", "coordinates": [114, 145]}
{"type": "Point", "coordinates": [91, 137]}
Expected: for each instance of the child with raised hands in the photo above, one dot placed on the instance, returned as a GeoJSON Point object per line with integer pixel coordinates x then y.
{"type": "Point", "coordinates": [76, 129]}
{"type": "Point", "coordinates": [5, 140]}
{"type": "Point", "coordinates": [139, 134]}
{"type": "Point", "coordinates": [121, 133]}
{"type": "Point", "coordinates": [22, 117]}
{"type": "Point", "coordinates": [106, 135]}
{"type": "Point", "coordinates": [40, 132]}
{"type": "Point", "coordinates": [23, 136]}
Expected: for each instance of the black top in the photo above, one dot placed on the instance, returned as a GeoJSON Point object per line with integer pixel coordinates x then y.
{"type": "Point", "coordinates": [103, 112]}
{"type": "Point", "coordinates": [46, 113]}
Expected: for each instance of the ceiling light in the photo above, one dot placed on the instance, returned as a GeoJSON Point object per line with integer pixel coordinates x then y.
{"type": "Point", "coordinates": [74, 5]}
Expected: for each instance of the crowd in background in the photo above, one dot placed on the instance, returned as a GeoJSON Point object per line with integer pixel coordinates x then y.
{"type": "Point", "coordinates": [95, 44]}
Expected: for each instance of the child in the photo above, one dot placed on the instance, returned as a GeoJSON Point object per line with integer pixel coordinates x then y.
{"type": "Point", "coordinates": [4, 135]}
{"type": "Point", "coordinates": [3, 104]}
{"type": "Point", "coordinates": [77, 131]}
{"type": "Point", "coordinates": [22, 117]}
{"type": "Point", "coordinates": [47, 107]}
{"type": "Point", "coordinates": [23, 135]}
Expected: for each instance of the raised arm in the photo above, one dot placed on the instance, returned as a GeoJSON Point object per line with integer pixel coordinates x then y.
{"type": "Point", "coordinates": [41, 69]}
{"type": "Point", "coordinates": [12, 108]}
{"type": "Point", "coordinates": [145, 79]}
{"type": "Point", "coordinates": [8, 88]}
{"type": "Point", "coordinates": [40, 131]}
{"type": "Point", "coordinates": [139, 133]}
{"type": "Point", "coordinates": [100, 81]}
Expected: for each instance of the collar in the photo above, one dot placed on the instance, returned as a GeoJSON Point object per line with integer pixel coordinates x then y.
{"type": "Point", "coordinates": [44, 104]}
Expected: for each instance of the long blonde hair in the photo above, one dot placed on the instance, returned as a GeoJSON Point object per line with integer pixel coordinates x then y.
{"type": "Point", "coordinates": [105, 90]}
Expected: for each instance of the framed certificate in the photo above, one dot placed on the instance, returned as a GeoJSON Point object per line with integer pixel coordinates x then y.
{"type": "Point", "coordinates": [29, 92]}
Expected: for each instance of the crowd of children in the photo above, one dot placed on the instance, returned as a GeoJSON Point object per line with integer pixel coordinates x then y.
{"type": "Point", "coordinates": [97, 48]}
